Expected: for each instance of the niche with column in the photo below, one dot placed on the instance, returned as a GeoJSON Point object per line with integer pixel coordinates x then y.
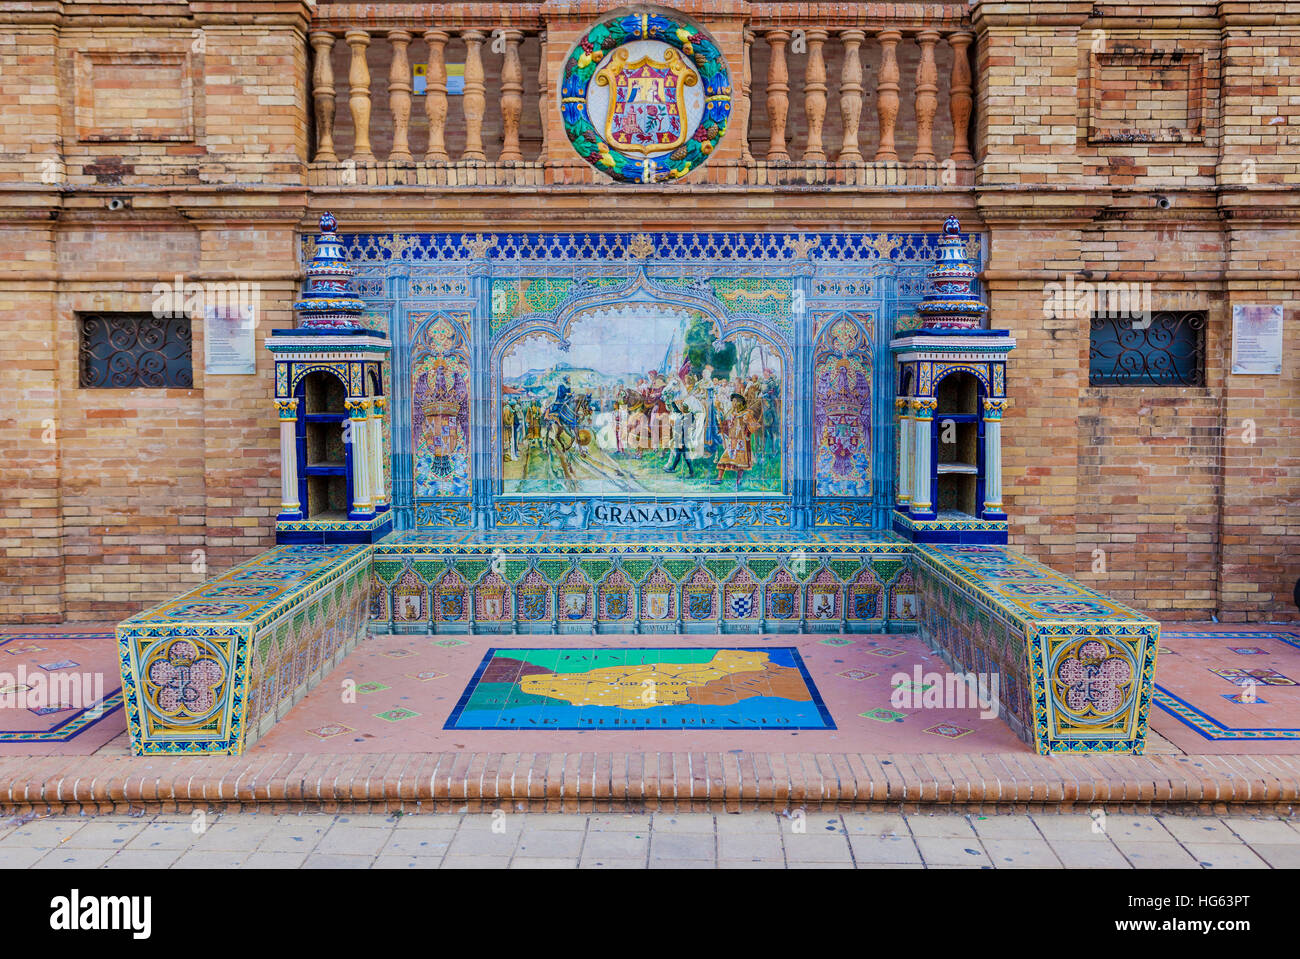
{"type": "Point", "coordinates": [958, 446]}
{"type": "Point", "coordinates": [324, 453]}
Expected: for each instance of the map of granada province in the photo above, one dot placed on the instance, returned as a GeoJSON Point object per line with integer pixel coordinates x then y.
{"type": "Point", "coordinates": [641, 688]}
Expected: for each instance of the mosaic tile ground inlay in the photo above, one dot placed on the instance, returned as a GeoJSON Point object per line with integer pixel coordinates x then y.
{"type": "Point", "coordinates": [642, 688]}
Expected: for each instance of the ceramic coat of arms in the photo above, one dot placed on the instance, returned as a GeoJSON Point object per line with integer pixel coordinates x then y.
{"type": "Point", "coordinates": [645, 97]}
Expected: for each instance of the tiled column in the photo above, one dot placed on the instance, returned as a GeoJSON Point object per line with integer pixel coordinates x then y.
{"type": "Point", "coordinates": [290, 507]}
{"type": "Point", "coordinates": [993, 409]}
{"type": "Point", "coordinates": [380, 498]}
{"type": "Point", "coordinates": [922, 421]}
{"type": "Point", "coordinates": [903, 495]}
{"type": "Point", "coordinates": [358, 413]}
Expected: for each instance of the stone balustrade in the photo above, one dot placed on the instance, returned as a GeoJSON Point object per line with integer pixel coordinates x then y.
{"type": "Point", "coordinates": [858, 95]}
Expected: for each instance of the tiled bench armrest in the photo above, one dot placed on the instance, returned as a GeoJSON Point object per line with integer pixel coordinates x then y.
{"type": "Point", "coordinates": [211, 670]}
{"type": "Point", "coordinates": [1075, 668]}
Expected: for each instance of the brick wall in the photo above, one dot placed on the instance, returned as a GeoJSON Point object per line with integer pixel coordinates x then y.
{"type": "Point", "coordinates": [1189, 493]}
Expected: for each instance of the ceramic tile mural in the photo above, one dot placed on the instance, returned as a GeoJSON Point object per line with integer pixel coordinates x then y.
{"type": "Point", "coordinates": [643, 381]}
{"type": "Point", "coordinates": [641, 402]}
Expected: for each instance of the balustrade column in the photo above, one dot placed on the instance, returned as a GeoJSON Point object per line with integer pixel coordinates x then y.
{"type": "Point", "coordinates": [399, 96]}
{"type": "Point", "coordinates": [927, 97]}
{"type": "Point", "coordinates": [740, 112]}
{"type": "Point", "coordinates": [322, 93]}
{"type": "Point", "coordinates": [359, 94]}
{"type": "Point", "coordinates": [814, 96]}
{"type": "Point", "coordinates": [543, 91]}
{"type": "Point", "coordinates": [512, 98]}
{"type": "Point", "coordinates": [887, 95]}
{"type": "Point", "coordinates": [959, 98]}
{"type": "Point", "coordinates": [475, 98]}
{"type": "Point", "coordinates": [903, 495]}
{"type": "Point", "coordinates": [851, 95]}
{"type": "Point", "coordinates": [290, 507]}
{"type": "Point", "coordinates": [435, 96]}
{"type": "Point", "coordinates": [778, 96]}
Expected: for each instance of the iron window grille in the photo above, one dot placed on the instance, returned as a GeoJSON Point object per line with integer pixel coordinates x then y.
{"type": "Point", "coordinates": [130, 350]}
{"type": "Point", "coordinates": [1170, 351]}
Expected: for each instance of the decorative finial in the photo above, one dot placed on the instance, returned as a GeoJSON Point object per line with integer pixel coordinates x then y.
{"type": "Point", "coordinates": [328, 302]}
{"type": "Point", "coordinates": [954, 303]}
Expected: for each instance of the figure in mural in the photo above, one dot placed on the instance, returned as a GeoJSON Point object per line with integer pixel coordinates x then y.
{"type": "Point", "coordinates": [683, 426]}
{"type": "Point", "coordinates": [642, 407]}
{"type": "Point", "coordinates": [509, 436]}
{"type": "Point", "coordinates": [738, 430]}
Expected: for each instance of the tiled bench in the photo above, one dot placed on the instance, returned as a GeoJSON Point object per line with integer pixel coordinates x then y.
{"type": "Point", "coordinates": [740, 583]}
{"type": "Point", "coordinates": [1075, 668]}
{"type": "Point", "coordinates": [212, 670]}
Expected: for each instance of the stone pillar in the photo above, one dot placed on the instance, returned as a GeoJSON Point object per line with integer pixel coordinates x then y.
{"type": "Point", "coordinates": [322, 93]}
{"type": "Point", "coordinates": [959, 98]}
{"type": "Point", "coordinates": [359, 94]}
{"type": "Point", "coordinates": [358, 413]}
{"type": "Point", "coordinates": [512, 98]}
{"type": "Point", "coordinates": [778, 96]}
{"type": "Point", "coordinates": [290, 507]}
{"type": "Point", "coordinates": [927, 97]}
{"type": "Point", "coordinates": [851, 95]}
{"type": "Point", "coordinates": [399, 96]}
{"type": "Point", "coordinates": [380, 499]}
{"type": "Point", "coordinates": [922, 420]}
{"type": "Point", "coordinates": [475, 98]}
{"type": "Point", "coordinates": [887, 95]}
{"type": "Point", "coordinates": [993, 409]}
{"type": "Point", "coordinates": [814, 104]}
{"type": "Point", "coordinates": [903, 495]}
{"type": "Point", "coordinates": [435, 96]}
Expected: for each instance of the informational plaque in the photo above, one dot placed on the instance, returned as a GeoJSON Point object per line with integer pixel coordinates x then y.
{"type": "Point", "coordinates": [1257, 340]}
{"type": "Point", "coordinates": [228, 348]}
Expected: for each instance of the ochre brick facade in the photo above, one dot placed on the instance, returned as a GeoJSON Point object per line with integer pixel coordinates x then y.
{"type": "Point", "coordinates": [1179, 500]}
